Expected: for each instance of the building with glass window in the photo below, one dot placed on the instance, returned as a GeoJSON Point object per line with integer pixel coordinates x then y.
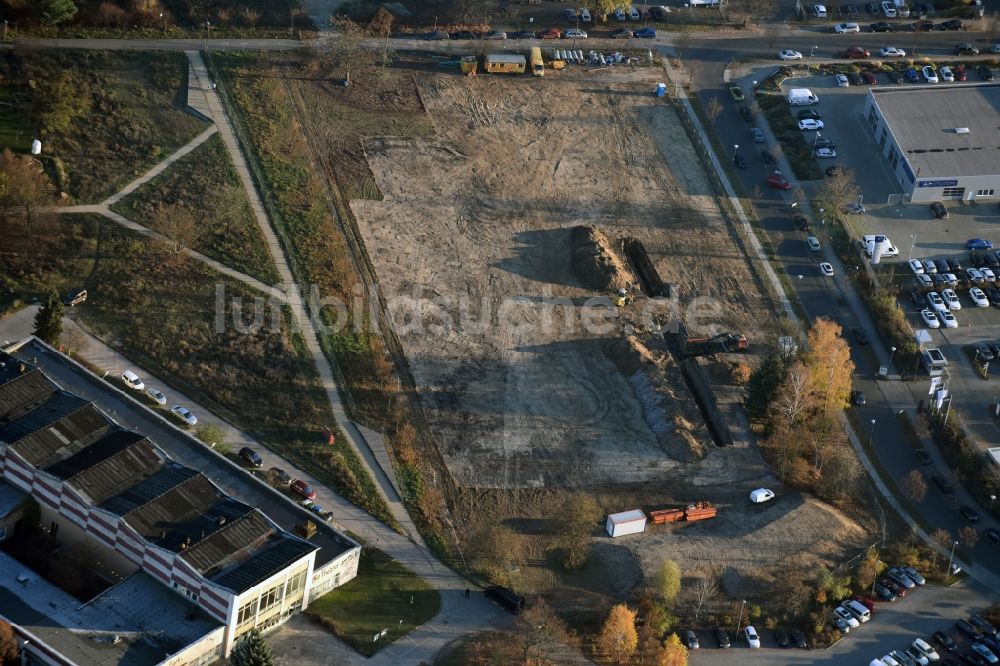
{"type": "Point", "coordinates": [939, 142]}
{"type": "Point", "coordinates": [181, 568]}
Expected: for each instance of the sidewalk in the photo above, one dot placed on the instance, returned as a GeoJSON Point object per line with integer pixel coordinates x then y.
{"type": "Point", "coordinates": [458, 616]}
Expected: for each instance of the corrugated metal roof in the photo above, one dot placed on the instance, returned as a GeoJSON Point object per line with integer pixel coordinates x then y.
{"type": "Point", "coordinates": [168, 476]}
{"type": "Point", "coordinates": [230, 541]}
{"type": "Point", "coordinates": [61, 427]}
{"type": "Point", "coordinates": [279, 552]}
{"type": "Point", "coordinates": [117, 465]}
{"type": "Point", "coordinates": [114, 441]}
{"type": "Point", "coordinates": [21, 391]}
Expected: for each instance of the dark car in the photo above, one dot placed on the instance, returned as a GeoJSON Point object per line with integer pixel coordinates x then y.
{"type": "Point", "coordinates": [975, 659]}
{"type": "Point", "coordinates": [952, 24]}
{"type": "Point", "coordinates": [658, 12]}
{"type": "Point", "coordinates": [739, 161]}
{"type": "Point", "coordinates": [966, 628]}
{"type": "Point", "coordinates": [524, 34]}
{"type": "Point", "coordinates": [911, 75]}
{"type": "Point", "coordinates": [722, 638]}
{"type": "Point", "coordinates": [855, 53]}
{"type": "Point", "coordinates": [251, 457]}
{"type": "Point", "coordinates": [860, 335]}
{"type": "Point", "coordinates": [895, 76]}
{"type": "Point", "coordinates": [75, 297]}
{"type": "Point", "coordinates": [802, 223]}
{"type": "Point", "coordinates": [940, 212]}
{"type": "Point", "coordinates": [799, 639]}
{"type": "Point", "coordinates": [437, 36]}
{"type": "Point", "coordinates": [954, 265]}
{"type": "Point", "coordinates": [858, 398]}
{"type": "Point", "coordinates": [781, 638]}
{"type": "Point", "coordinates": [983, 625]}
{"type": "Point", "coordinates": [942, 266]}
{"type": "Point", "coordinates": [945, 641]}
{"type": "Point", "coordinates": [943, 484]}
{"type": "Point", "coordinates": [993, 294]}
{"type": "Point", "coordinates": [691, 640]}
{"type": "Point", "coordinates": [923, 26]}
{"type": "Point", "coordinates": [809, 114]}
{"type": "Point", "coordinates": [881, 26]}
{"type": "Point", "coordinates": [993, 534]}
{"type": "Point", "coordinates": [646, 33]}
{"type": "Point", "coordinates": [872, 7]}
{"type": "Point", "coordinates": [924, 457]}
{"type": "Point", "coordinates": [745, 112]}
{"type": "Point", "coordinates": [985, 73]}
{"type": "Point", "coordinates": [884, 593]}
{"type": "Point", "coordinates": [992, 260]}
{"type": "Point", "coordinates": [464, 34]}
{"type": "Point", "coordinates": [278, 477]}
{"type": "Point", "coordinates": [766, 157]}
{"type": "Point", "coordinates": [966, 49]}
{"type": "Point", "coordinates": [969, 513]}
{"type": "Point", "coordinates": [506, 598]}
{"type": "Point", "coordinates": [869, 78]}
{"type": "Point", "coordinates": [823, 142]}
{"type": "Point", "coordinates": [896, 588]}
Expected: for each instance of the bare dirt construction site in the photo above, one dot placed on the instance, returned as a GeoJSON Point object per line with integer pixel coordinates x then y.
{"type": "Point", "coordinates": [500, 246]}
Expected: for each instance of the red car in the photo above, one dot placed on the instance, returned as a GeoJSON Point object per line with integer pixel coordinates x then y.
{"type": "Point", "coordinates": [778, 182]}
{"type": "Point", "coordinates": [856, 52]}
{"type": "Point", "coordinates": [551, 33]}
{"type": "Point", "coordinates": [865, 601]}
{"type": "Point", "coordinates": [869, 78]}
{"type": "Point", "coordinates": [896, 588]}
{"type": "Point", "coordinates": [960, 74]}
{"type": "Point", "coordinates": [301, 488]}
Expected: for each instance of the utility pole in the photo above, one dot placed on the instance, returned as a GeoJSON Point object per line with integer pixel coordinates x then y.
{"type": "Point", "coordinates": [951, 558]}
{"type": "Point", "coordinates": [739, 619]}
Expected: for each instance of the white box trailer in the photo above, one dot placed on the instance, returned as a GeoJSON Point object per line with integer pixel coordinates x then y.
{"type": "Point", "coordinates": [626, 522]}
{"type": "Point", "coordinates": [801, 97]}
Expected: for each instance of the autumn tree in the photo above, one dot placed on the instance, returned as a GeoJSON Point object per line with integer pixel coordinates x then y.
{"type": "Point", "coordinates": [654, 621]}
{"type": "Point", "coordinates": [618, 639]}
{"type": "Point", "coordinates": [943, 539]}
{"type": "Point", "coordinates": [604, 8]}
{"type": "Point", "coordinates": [969, 536]}
{"type": "Point", "coordinates": [539, 633]}
{"type": "Point", "coordinates": [577, 516]}
{"type": "Point", "coordinates": [674, 652]}
{"type": "Point", "coordinates": [494, 551]}
{"type": "Point", "coordinates": [914, 485]}
{"type": "Point", "coordinates": [23, 185]}
{"type": "Point", "coordinates": [869, 568]}
{"type": "Point", "coordinates": [830, 586]}
{"type": "Point", "coordinates": [179, 226]}
{"type": "Point", "coordinates": [48, 319]}
{"type": "Point", "coordinates": [839, 189]}
{"type": "Point", "coordinates": [9, 651]}
{"type": "Point", "coordinates": [830, 366]}
{"type": "Point", "coordinates": [667, 582]}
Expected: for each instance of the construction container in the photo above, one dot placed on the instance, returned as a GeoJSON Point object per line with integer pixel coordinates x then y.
{"type": "Point", "coordinates": [666, 516]}
{"type": "Point", "coordinates": [626, 522]}
{"type": "Point", "coordinates": [505, 63]}
{"type": "Point", "coordinates": [699, 511]}
{"type": "Point", "coordinates": [469, 64]}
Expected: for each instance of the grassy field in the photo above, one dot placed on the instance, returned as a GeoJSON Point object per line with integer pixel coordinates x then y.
{"type": "Point", "coordinates": [160, 310]}
{"type": "Point", "coordinates": [16, 132]}
{"type": "Point", "coordinates": [130, 114]}
{"type": "Point", "coordinates": [205, 183]}
{"type": "Point", "coordinates": [385, 595]}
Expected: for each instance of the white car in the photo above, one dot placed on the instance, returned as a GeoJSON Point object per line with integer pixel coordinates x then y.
{"type": "Point", "coordinates": [924, 648]}
{"type": "Point", "coordinates": [813, 243]}
{"type": "Point", "coordinates": [826, 152]}
{"type": "Point", "coordinates": [916, 267]}
{"type": "Point", "coordinates": [846, 616]}
{"type": "Point", "coordinates": [156, 396]}
{"type": "Point", "coordinates": [819, 11]}
{"type": "Point", "coordinates": [789, 54]}
{"type": "Point", "coordinates": [948, 319]}
{"type": "Point", "coordinates": [753, 640]}
{"type": "Point", "coordinates": [930, 76]}
{"type": "Point", "coordinates": [184, 415]}
{"type": "Point", "coordinates": [889, 661]}
{"type": "Point", "coordinates": [842, 81]}
{"type": "Point", "coordinates": [935, 301]}
{"type": "Point", "coordinates": [620, 15]}
{"type": "Point", "coordinates": [975, 276]}
{"type": "Point", "coordinates": [889, 9]}
{"type": "Point", "coordinates": [826, 269]}
{"type": "Point", "coordinates": [844, 28]}
{"type": "Point", "coordinates": [633, 14]}
{"type": "Point", "coordinates": [951, 299]}
{"type": "Point", "coordinates": [810, 124]}
{"type": "Point", "coordinates": [917, 656]}
{"type": "Point", "coordinates": [575, 33]}
{"type": "Point", "coordinates": [761, 495]}
{"type": "Point", "coordinates": [892, 52]}
{"type": "Point", "coordinates": [585, 15]}
{"type": "Point", "coordinates": [930, 319]}
{"type": "Point", "coordinates": [988, 273]}
{"type": "Point", "coordinates": [132, 380]}
{"type": "Point", "coordinates": [946, 74]}
{"type": "Point", "coordinates": [978, 297]}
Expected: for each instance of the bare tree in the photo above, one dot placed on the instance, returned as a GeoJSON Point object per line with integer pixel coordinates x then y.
{"type": "Point", "coordinates": [714, 109]}
{"type": "Point", "coordinates": [794, 395]}
{"type": "Point", "coordinates": [704, 590]}
{"type": "Point", "coordinates": [839, 189]}
{"type": "Point", "coordinates": [179, 226]}
{"type": "Point", "coordinates": [969, 536]}
{"type": "Point", "coordinates": [23, 185]}
{"type": "Point", "coordinates": [914, 485]}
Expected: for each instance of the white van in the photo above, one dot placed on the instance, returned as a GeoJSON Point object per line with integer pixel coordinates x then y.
{"type": "Point", "coordinates": [857, 610]}
{"type": "Point", "coordinates": [132, 380]}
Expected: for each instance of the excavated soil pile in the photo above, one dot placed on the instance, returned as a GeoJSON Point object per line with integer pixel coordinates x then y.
{"type": "Point", "coordinates": [595, 262]}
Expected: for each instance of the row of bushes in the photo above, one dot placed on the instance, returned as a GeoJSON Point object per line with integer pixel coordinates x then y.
{"type": "Point", "coordinates": [786, 130]}
{"type": "Point", "coordinates": [979, 475]}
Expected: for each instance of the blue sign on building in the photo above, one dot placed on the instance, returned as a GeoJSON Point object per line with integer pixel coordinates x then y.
{"type": "Point", "coordinates": [937, 183]}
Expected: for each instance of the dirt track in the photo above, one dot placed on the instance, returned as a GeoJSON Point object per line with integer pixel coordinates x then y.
{"type": "Point", "coordinates": [479, 219]}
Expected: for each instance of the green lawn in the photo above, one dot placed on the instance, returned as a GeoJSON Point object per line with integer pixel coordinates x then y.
{"type": "Point", "coordinates": [16, 132]}
{"type": "Point", "coordinates": [384, 594]}
{"type": "Point", "coordinates": [205, 183]}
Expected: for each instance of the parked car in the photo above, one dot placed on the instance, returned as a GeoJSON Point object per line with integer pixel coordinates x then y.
{"type": "Point", "coordinates": [966, 49]}
{"type": "Point", "coordinates": [935, 301]}
{"type": "Point", "coordinates": [981, 623]}
{"type": "Point", "coordinates": [943, 484]}
{"type": "Point", "coordinates": [302, 489]}
{"type": "Point", "coordinates": [132, 381]}
{"type": "Point", "coordinates": [826, 153]}
{"type": "Point", "coordinates": [855, 53]}
{"type": "Point", "coordinates": [860, 336]}
{"type": "Point", "coordinates": [968, 629]}
{"type": "Point", "coordinates": [930, 319]}
{"type": "Point", "coordinates": [761, 495]}
{"type": "Point", "coordinates": [437, 36]}
{"type": "Point", "coordinates": [892, 52]}
{"type": "Point", "coordinates": [842, 81]}
{"type": "Point", "coordinates": [900, 577]}
{"type": "Point", "coordinates": [894, 76]}
{"type": "Point", "coordinates": [978, 297]}
{"type": "Point", "coordinates": [500, 35]}
{"type": "Point", "coordinates": [465, 34]}
{"type": "Point", "coordinates": [960, 73]}
{"type": "Point", "coordinates": [911, 75]}
{"type": "Point", "coordinates": [898, 590]}
{"type": "Point", "coordinates": [634, 15]}
{"type": "Point", "coordinates": [914, 575]}
{"type": "Point", "coordinates": [622, 33]}
{"type": "Point", "coordinates": [778, 182]}
{"type": "Point", "coordinates": [810, 125]}
{"type": "Point", "coordinates": [881, 26]}
{"type": "Point", "coordinates": [550, 33]}
{"type": "Point", "coordinates": [812, 243]}
{"type": "Point", "coordinates": [944, 640]}
{"type": "Point", "coordinates": [781, 638]}
{"type": "Point", "coordinates": [736, 93]}
{"type": "Point", "coordinates": [278, 477]}
{"type": "Point", "coordinates": [757, 134]}
{"type": "Point", "coordinates": [646, 33]}
{"type": "Point", "coordinates": [952, 24]}
{"type": "Point", "coordinates": [523, 34]}
{"type": "Point", "coordinates": [858, 398]}
{"type": "Point", "coordinates": [184, 415]}
{"type": "Point", "coordinates": [869, 78]}
{"type": "Point", "coordinates": [917, 656]}
{"type": "Point", "coordinates": [575, 33]}
{"type": "Point", "coordinates": [939, 211]}
{"type": "Point", "coordinates": [930, 76]}
{"type": "Point", "coordinates": [799, 639]}
{"type": "Point", "coordinates": [809, 114]}
{"type": "Point", "coordinates": [979, 244]}
{"type": "Point", "coordinates": [985, 73]}
{"type": "Point", "coordinates": [985, 653]}
{"type": "Point", "coordinates": [585, 15]}
{"type": "Point", "coordinates": [946, 75]}
{"type": "Point", "coordinates": [884, 593]}
{"type": "Point", "coordinates": [788, 54]}
{"type": "Point", "coordinates": [753, 640]}
{"type": "Point", "coordinates": [691, 640]}
{"type": "Point", "coordinates": [722, 638]}
{"type": "Point", "coordinates": [969, 513]}
{"type": "Point", "coordinates": [75, 297]}
{"type": "Point", "coordinates": [843, 28]}
{"type": "Point", "coordinates": [251, 456]}
{"type": "Point", "coordinates": [156, 396]}
{"type": "Point", "coordinates": [950, 299]}
{"type": "Point", "coordinates": [840, 624]}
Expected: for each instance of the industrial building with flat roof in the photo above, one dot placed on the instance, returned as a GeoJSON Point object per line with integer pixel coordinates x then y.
{"type": "Point", "coordinates": [940, 142]}
{"type": "Point", "coordinates": [221, 566]}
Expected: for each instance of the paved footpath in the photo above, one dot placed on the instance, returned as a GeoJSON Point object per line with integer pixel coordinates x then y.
{"type": "Point", "coordinates": [458, 616]}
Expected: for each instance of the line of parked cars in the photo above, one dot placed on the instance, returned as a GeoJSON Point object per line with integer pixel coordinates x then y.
{"type": "Point", "coordinates": [279, 478]}
{"type": "Point", "coordinates": [131, 380]}
{"type": "Point", "coordinates": [783, 638]}
{"type": "Point", "coordinates": [984, 647]}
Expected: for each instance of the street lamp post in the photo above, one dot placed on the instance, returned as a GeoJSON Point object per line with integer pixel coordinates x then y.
{"type": "Point", "coordinates": [993, 498]}
{"type": "Point", "coordinates": [736, 148]}
{"type": "Point", "coordinates": [875, 577]}
{"type": "Point", "coordinates": [913, 239]}
{"type": "Point", "coordinates": [871, 434]}
{"type": "Point", "coordinates": [892, 352]}
{"type": "Point", "coordinates": [739, 619]}
{"type": "Point", "coordinates": [816, 141]}
{"type": "Point", "coordinates": [753, 91]}
{"type": "Point", "coordinates": [950, 560]}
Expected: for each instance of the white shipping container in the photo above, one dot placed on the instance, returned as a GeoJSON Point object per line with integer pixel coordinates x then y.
{"type": "Point", "coordinates": [626, 522]}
